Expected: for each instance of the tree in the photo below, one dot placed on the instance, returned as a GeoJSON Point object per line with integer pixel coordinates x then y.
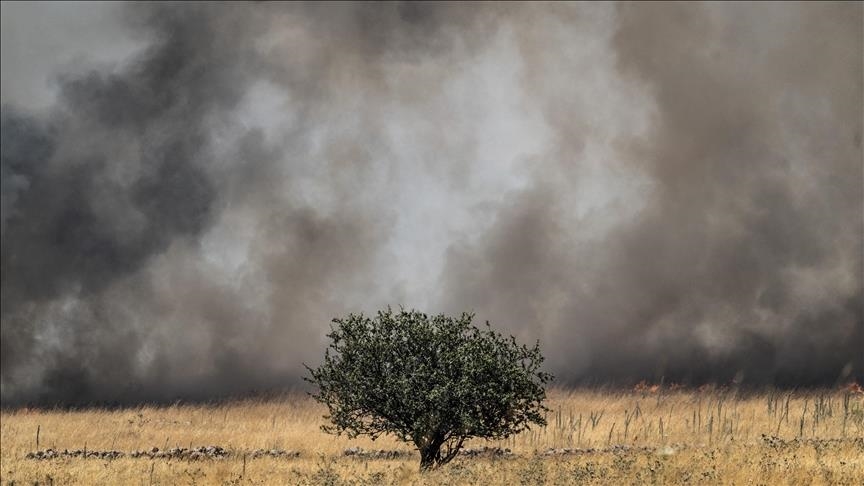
{"type": "Point", "coordinates": [431, 381]}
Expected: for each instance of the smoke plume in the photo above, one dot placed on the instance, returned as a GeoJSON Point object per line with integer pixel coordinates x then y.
{"type": "Point", "coordinates": [663, 191]}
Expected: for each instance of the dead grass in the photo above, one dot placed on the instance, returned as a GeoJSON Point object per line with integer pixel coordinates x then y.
{"type": "Point", "coordinates": [675, 436]}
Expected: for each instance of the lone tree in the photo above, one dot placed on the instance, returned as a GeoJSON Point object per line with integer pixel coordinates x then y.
{"type": "Point", "coordinates": [432, 381]}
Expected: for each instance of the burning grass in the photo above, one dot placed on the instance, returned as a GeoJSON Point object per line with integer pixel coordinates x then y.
{"type": "Point", "coordinates": [650, 434]}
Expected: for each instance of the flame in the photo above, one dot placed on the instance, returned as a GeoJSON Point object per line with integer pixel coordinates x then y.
{"type": "Point", "coordinates": [645, 387]}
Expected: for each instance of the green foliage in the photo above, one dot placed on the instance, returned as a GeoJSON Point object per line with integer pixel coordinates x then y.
{"type": "Point", "coordinates": [431, 381]}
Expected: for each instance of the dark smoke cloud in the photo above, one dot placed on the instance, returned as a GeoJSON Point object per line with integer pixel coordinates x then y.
{"type": "Point", "coordinates": [670, 190]}
{"type": "Point", "coordinates": [744, 259]}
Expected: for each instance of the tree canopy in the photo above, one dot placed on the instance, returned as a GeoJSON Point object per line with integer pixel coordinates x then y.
{"type": "Point", "coordinates": [433, 381]}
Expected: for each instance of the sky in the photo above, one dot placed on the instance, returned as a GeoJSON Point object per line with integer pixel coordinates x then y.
{"type": "Point", "coordinates": [191, 192]}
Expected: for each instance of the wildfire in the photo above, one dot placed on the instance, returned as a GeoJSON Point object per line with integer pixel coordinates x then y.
{"type": "Point", "coordinates": [644, 387]}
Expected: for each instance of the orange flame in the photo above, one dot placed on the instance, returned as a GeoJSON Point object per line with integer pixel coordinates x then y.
{"type": "Point", "coordinates": [644, 387]}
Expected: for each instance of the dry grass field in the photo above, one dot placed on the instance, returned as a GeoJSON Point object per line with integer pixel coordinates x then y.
{"type": "Point", "coordinates": [644, 436]}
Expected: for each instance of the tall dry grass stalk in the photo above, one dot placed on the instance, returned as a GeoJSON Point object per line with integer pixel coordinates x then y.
{"type": "Point", "coordinates": [661, 436]}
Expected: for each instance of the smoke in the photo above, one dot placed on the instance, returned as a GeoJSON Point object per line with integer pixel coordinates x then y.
{"type": "Point", "coordinates": [670, 190]}
{"type": "Point", "coordinates": [742, 258]}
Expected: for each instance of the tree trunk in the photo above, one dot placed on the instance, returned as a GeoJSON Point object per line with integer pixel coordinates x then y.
{"type": "Point", "coordinates": [427, 458]}
{"type": "Point", "coordinates": [430, 453]}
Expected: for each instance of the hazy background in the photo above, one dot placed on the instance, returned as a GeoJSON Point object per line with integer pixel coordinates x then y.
{"type": "Point", "coordinates": [191, 192]}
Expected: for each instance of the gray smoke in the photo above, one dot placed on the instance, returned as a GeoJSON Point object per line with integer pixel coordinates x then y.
{"type": "Point", "coordinates": [654, 191]}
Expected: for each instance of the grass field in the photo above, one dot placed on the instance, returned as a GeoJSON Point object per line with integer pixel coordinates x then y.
{"type": "Point", "coordinates": [644, 436]}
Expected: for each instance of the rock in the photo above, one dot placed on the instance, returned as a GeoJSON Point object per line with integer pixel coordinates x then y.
{"type": "Point", "coordinates": [376, 454]}
{"type": "Point", "coordinates": [66, 453]}
{"type": "Point", "coordinates": [485, 452]}
{"type": "Point", "coordinates": [273, 453]}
